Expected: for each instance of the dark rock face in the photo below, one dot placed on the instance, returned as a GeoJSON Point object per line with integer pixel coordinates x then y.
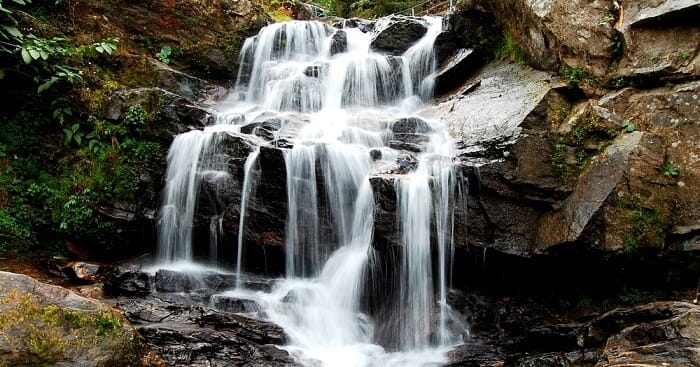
{"type": "Point", "coordinates": [518, 332]}
{"type": "Point", "coordinates": [398, 36]}
{"type": "Point", "coordinates": [451, 74]}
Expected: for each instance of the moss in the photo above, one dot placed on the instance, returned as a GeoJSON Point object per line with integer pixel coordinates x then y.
{"type": "Point", "coordinates": [509, 49]}
{"type": "Point", "coordinates": [645, 225]}
{"type": "Point", "coordinates": [49, 333]}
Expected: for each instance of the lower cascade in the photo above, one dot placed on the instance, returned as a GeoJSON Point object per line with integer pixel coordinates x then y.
{"type": "Point", "coordinates": [342, 117]}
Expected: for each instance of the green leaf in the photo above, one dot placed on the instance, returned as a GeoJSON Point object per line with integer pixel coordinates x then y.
{"type": "Point", "coordinates": [56, 113]}
{"type": "Point", "coordinates": [44, 54]}
{"type": "Point", "coordinates": [13, 31]}
{"type": "Point", "coordinates": [26, 56]}
{"type": "Point", "coordinates": [78, 138]}
{"type": "Point", "coordinates": [629, 127]}
{"type": "Point", "coordinates": [34, 53]}
{"type": "Point", "coordinates": [99, 49]}
{"type": "Point", "coordinates": [47, 84]}
{"type": "Point", "coordinates": [75, 127]}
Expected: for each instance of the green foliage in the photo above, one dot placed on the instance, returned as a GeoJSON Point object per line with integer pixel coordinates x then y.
{"type": "Point", "coordinates": [107, 323]}
{"type": "Point", "coordinates": [509, 49]}
{"type": "Point", "coordinates": [643, 222]}
{"type": "Point", "coordinates": [671, 170]}
{"type": "Point", "coordinates": [628, 126]}
{"type": "Point", "coordinates": [164, 54]}
{"type": "Point", "coordinates": [558, 155]}
{"type": "Point", "coordinates": [136, 115]}
{"type": "Point", "coordinates": [46, 61]}
{"type": "Point", "coordinates": [684, 54]}
{"type": "Point", "coordinates": [14, 235]}
{"type": "Point", "coordinates": [73, 134]}
{"type": "Point", "coordinates": [573, 76]}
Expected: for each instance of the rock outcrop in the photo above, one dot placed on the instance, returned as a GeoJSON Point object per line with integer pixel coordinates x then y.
{"type": "Point", "coordinates": [43, 324]}
{"type": "Point", "coordinates": [660, 39]}
{"type": "Point", "coordinates": [578, 33]}
{"type": "Point", "coordinates": [520, 334]}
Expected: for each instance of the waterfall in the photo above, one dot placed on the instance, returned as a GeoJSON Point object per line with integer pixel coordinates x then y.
{"type": "Point", "coordinates": [337, 112]}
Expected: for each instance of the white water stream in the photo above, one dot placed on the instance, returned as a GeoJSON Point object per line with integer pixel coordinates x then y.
{"type": "Point", "coordinates": [350, 101]}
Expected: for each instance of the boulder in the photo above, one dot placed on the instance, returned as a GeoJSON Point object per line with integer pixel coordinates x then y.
{"type": "Point", "coordinates": [398, 35]}
{"type": "Point", "coordinates": [339, 42]}
{"type": "Point", "coordinates": [128, 283]}
{"type": "Point", "coordinates": [659, 39]}
{"type": "Point", "coordinates": [49, 325]}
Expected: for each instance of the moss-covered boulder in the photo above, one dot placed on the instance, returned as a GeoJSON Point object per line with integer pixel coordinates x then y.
{"type": "Point", "coordinates": [43, 325]}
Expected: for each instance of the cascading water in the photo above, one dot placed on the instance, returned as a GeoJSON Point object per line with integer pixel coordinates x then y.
{"type": "Point", "coordinates": [344, 105]}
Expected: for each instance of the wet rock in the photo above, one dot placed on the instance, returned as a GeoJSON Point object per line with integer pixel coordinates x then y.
{"type": "Point", "coordinates": [339, 42]}
{"type": "Point", "coordinates": [187, 332]}
{"type": "Point", "coordinates": [446, 43]}
{"type": "Point", "coordinates": [317, 70]}
{"type": "Point", "coordinates": [410, 125]}
{"type": "Point", "coordinates": [364, 25]}
{"type": "Point", "coordinates": [409, 142]}
{"type": "Point", "coordinates": [399, 35]}
{"type": "Point", "coordinates": [659, 39]}
{"type": "Point", "coordinates": [128, 283]}
{"type": "Point", "coordinates": [234, 305]}
{"type": "Point", "coordinates": [455, 70]}
{"type": "Point", "coordinates": [302, 11]}
{"type": "Point", "coordinates": [174, 281]}
{"type": "Point", "coordinates": [476, 355]}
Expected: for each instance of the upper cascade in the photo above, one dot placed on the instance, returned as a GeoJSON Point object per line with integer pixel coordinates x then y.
{"type": "Point", "coordinates": [312, 66]}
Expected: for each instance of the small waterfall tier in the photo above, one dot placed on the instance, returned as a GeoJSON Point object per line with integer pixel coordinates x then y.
{"type": "Point", "coordinates": [316, 120]}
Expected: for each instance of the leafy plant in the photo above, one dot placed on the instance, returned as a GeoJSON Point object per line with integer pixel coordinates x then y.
{"type": "Point", "coordinates": [671, 170]}
{"type": "Point", "coordinates": [164, 54]}
{"type": "Point", "coordinates": [136, 115]}
{"type": "Point", "coordinates": [573, 76]}
{"type": "Point", "coordinates": [74, 134]}
{"type": "Point", "coordinates": [628, 126]}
